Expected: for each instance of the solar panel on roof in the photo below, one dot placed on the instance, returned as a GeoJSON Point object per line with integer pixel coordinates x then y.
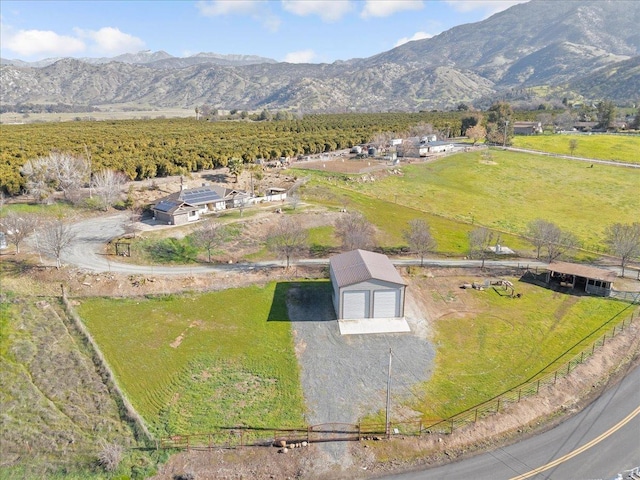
{"type": "Point", "coordinates": [165, 206]}
{"type": "Point", "coordinates": [199, 195]}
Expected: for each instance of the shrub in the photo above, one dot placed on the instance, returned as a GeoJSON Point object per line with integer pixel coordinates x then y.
{"type": "Point", "coordinates": [110, 456]}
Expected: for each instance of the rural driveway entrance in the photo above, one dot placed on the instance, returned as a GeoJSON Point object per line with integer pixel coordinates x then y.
{"type": "Point", "coordinates": [345, 377]}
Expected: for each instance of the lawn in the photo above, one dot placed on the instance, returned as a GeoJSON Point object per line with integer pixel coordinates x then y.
{"type": "Point", "coordinates": [619, 148]}
{"type": "Point", "coordinates": [508, 341]}
{"type": "Point", "coordinates": [460, 192]}
{"type": "Point", "coordinates": [194, 363]}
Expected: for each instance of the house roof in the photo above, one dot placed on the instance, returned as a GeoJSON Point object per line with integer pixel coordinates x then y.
{"type": "Point", "coordinates": [201, 196]}
{"type": "Point", "coordinates": [585, 271]}
{"type": "Point", "coordinates": [172, 207]}
{"type": "Point", "coordinates": [526, 124]}
{"type": "Point", "coordinates": [360, 265]}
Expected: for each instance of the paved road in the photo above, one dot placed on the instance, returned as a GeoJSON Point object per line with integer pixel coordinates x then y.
{"type": "Point", "coordinates": [94, 233]}
{"type": "Point", "coordinates": [600, 442]}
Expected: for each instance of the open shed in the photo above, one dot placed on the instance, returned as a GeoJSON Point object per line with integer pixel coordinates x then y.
{"type": "Point", "coordinates": [366, 285]}
{"type": "Point", "coordinates": [593, 280]}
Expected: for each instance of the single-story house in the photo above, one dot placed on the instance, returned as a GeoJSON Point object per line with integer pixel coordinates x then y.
{"type": "Point", "coordinates": [596, 281]}
{"type": "Point", "coordinates": [527, 128]}
{"type": "Point", "coordinates": [434, 147]}
{"type": "Point", "coordinates": [188, 204]}
{"type": "Point", "coordinates": [366, 285]}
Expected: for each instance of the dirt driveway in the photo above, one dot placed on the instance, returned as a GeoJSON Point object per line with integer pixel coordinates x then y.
{"type": "Point", "coordinates": [345, 377]}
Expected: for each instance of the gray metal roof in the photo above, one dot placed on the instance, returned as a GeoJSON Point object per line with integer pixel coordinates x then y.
{"type": "Point", "coordinates": [361, 265]}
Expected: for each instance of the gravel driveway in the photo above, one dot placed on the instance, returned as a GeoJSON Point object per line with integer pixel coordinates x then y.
{"type": "Point", "coordinates": [345, 377]}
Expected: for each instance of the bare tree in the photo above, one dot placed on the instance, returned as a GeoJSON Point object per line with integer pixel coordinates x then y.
{"type": "Point", "coordinates": [108, 186]}
{"type": "Point", "coordinates": [287, 238]}
{"type": "Point", "coordinates": [479, 241]}
{"type": "Point", "coordinates": [419, 238]}
{"type": "Point", "coordinates": [540, 233]}
{"type": "Point", "coordinates": [623, 241]}
{"type": "Point", "coordinates": [17, 228]}
{"type": "Point", "coordinates": [294, 199]}
{"type": "Point", "coordinates": [70, 173]}
{"type": "Point", "coordinates": [132, 227]}
{"type": "Point", "coordinates": [54, 238]}
{"type": "Point", "coordinates": [39, 183]}
{"type": "Point", "coordinates": [210, 236]}
{"type": "Point", "coordinates": [573, 144]}
{"type": "Point", "coordinates": [354, 231]}
{"type": "Point", "coordinates": [57, 171]}
{"type": "Point", "coordinates": [476, 133]}
{"type": "Point", "coordinates": [559, 243]}
{"type": "Point", "coordinates": [421, 129]}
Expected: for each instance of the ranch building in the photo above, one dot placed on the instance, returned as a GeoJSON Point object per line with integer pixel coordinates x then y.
{"type": "Point", "coordinates": [593, 280]}
{"type": "Point", "coordinates": [366, 285]}
{"type": "Point", "coordinates": [188, 204]}
{"type": "Point", "coordinates": [527, 128]}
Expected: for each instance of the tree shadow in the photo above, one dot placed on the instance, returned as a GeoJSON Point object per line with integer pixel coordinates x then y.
{"type": "Point", "coordinates": [302, 302]}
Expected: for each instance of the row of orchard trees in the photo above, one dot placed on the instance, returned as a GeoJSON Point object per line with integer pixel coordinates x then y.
{"type": "Point", "coordinates": [143, 149]}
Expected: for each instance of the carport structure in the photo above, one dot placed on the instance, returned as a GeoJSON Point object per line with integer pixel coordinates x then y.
{"type": "Point", "coordinates": [593, 280]}
{"type": "Point", "coordinates": [366, 285]}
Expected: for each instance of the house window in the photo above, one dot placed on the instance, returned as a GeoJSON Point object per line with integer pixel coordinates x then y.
{"type": "Point", "coordinates": [193, 213]}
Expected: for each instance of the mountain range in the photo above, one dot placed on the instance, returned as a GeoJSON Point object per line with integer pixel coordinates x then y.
{"type": "Point", "coordinates": [542, 50]}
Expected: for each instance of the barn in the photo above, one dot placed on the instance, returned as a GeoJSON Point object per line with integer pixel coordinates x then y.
{"type": "Point", "coordinates": [366, 285]}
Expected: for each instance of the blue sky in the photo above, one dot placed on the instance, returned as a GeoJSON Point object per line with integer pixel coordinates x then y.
{"type": "Point", "coordinates": [315, 31]}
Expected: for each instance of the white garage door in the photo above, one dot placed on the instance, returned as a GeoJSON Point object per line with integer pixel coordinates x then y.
{"type": "Point", "coordinates": [354, 304]}
{"type": "Point", "coordinates": [384, 303]}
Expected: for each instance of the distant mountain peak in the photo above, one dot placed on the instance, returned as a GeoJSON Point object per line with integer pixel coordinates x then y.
{"type": "Point", "coordinates": [559, 44]}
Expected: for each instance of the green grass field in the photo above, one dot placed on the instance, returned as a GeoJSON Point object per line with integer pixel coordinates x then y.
{"type": "Point", "coordinates": [619, 148]}
{"type": "Point", "coordinates": [508, 341]}
{"type": "Point", "coordinates": [460, 192]}
{"type": "Point", "coordinates": [194, 363]}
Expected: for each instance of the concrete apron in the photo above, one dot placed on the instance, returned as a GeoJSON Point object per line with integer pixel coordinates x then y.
{"type": "Point", "coordinates": [360, 326]}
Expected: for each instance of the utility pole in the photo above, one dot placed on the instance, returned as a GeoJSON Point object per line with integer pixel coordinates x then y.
{"type": "Point", "coordinates": [387, 423]}
{"type": "Point", "coordinates": [504, 139]}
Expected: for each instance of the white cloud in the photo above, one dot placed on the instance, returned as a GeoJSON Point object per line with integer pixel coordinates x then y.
{"type": "Point", "coordinates": [214, 8]}
{"type": "Point", "coordinates": [258, 10]}
{"type": "Point", "coordinates": [386, 8]}
{"type": "Point", "coordinates": [488, 6]}
{"type": "Point", "coordinates": [111, 41]}
{"type": "Point", "coordinates": [416, 36]}
{"type": "Point", "coordinates": [327, 10]}
{"type": "Point", "coordinates": [29, 43]}
{"type": "Point", "coordinates": [301, 56]}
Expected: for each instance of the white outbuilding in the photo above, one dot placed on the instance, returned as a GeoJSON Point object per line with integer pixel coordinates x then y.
{"type": "Point", "coordinates": [366, 285]}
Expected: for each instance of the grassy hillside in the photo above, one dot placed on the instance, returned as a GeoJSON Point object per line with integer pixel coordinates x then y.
{"type": "Point", "coordinates": [195, 363]}
{"type": "Point", "coordinates": [619, 148]}
{"type": "Point", "coordinates": [57, 414]}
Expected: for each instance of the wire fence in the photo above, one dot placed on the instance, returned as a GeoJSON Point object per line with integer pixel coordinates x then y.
{"type": "Point", "coordinates": [330, 432]}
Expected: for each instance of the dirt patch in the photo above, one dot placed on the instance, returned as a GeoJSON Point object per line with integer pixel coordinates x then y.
{"type": "Point", "coordinates": [343, 164]}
